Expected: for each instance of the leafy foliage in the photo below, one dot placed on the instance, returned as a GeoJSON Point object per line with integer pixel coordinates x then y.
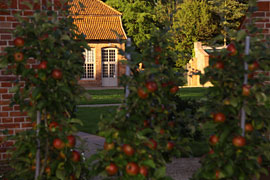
{"type": "Point", "coordinates": [148, 119]}
{"type": "Point", "coordinates": [237, 152]}
{"type": "Point", "coordinates": [46, 88]}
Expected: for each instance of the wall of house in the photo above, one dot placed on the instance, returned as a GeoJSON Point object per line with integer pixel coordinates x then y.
{"type": "Point", "coordinates": [97, 82]}
{"type": "Point", "coordinates": [11, 118]}
{"type": "Point", "coordinates": [262, 17]}
{"type": "Point", "coordinates": [197, 64]}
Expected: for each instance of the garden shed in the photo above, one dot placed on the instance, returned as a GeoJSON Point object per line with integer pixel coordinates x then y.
{"type": "Point", "coordinates": [103, 29]}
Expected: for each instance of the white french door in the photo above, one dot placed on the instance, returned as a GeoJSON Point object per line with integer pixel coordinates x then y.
{"type": "Point", "coordinates": [109, 66]}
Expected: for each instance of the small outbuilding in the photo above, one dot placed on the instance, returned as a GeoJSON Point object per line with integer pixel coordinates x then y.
{"type": "Point", "coordinates": [102, 26]}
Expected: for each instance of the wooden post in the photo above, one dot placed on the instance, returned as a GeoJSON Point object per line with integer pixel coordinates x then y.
{"type": "Point", "coordinates": [243, 113]}
{"type": "Point", "coordinates": [37, 172]}
{"type": "Point", "coordinates": [127, 66]}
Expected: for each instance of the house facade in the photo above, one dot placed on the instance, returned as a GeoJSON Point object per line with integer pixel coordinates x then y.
{"type": "Point", "coordinates": [201, 58]}
{"type": "Point", "coordinates": [103, 29]}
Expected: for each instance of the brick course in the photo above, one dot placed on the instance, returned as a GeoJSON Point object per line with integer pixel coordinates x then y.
{"type": "Point", "coordinates": [261, 17]}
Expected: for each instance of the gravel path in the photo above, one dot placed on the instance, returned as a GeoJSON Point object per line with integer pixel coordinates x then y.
{"type": "Point", "coordinates": [179, 169]}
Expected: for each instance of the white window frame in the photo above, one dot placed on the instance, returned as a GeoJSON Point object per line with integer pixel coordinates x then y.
{"type": "Point", "coordinates": [90, 60]}
{"type": "Point", "coordinates": [108, 62]}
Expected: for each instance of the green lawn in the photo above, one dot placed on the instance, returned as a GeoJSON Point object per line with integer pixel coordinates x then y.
{"type": "Point", "coordinates": [90, 117]}
{"type": "Point", "coordinates": [108, 96]}
{"type": "Point", "coordinates": [114, 96]}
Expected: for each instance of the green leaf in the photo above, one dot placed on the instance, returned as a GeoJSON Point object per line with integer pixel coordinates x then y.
{"type": "Point", "coordinates": [14, 88]}
{"type": "Point", "coordinates": [65, 37]}
{"type": "Point", "coordinates": [60, 173]}
{"type": "Point", "coordinates": [229, 168]}
{"type": "Point", "coordinates": [160, 172]}
{"type": "Point", "coordinates": [149, 163]}
{"type": "Point", "coordinates": [76, 121]}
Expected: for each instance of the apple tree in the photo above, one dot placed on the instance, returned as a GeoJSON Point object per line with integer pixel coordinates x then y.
{"type": "Point", "coordinates": [142, 137]}
{"type": "Point", "coordinates": [238, 109]}
{"type": "Point", "coordinates": [47, 61]}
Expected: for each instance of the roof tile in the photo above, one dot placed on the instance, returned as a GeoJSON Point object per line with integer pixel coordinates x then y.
{"type": "Point", "coordinates": [98, 21]}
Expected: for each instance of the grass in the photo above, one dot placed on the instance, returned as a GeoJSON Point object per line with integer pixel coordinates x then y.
{"type": "Point", "coordinates": [90, 117]}
{"type": "Point", "coordinates": [108, 96]}
{"type": "Point", "coordinates": [115, 96]}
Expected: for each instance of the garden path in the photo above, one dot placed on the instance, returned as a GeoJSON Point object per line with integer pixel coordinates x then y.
{"type": "Point", "coordinates": [179, 169]}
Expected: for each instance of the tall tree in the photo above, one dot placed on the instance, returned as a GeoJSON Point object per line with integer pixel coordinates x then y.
{"type": "Point", "coordinates": [192, 22]}
{"type": "Point", "coordinates": [229, 13]}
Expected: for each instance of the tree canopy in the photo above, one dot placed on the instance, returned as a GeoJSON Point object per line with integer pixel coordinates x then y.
{"type": "Point", "coordinates": [188, 20]}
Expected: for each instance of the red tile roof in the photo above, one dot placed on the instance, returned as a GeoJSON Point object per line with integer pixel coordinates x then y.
{"type": "Point", "coordinates": [97, 20]}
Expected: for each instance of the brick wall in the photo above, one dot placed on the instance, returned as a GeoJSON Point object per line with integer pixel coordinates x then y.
{"type": "Point", "coordinates": [11, 119]}
{"type": "Point", "coordinates": [262, 17]}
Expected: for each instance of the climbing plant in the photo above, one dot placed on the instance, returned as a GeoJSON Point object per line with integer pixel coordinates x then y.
{"type": "Point", "coordinates": [142, 137]}
{"type": "Point", "coordinates": [237, 108]}
{"type": "Point", "coordinates": [47, 61]}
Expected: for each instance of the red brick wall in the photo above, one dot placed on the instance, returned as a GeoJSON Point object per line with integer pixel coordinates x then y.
{"type": "Point", "coordinates": [11, 118]}
{"type": "Point", "coordinates": [262, 16]}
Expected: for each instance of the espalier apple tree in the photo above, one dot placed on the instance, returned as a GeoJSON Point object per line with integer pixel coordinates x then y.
{"type": "Point", "coordinates": [238, 109]}
{"type": "Point", "coordinates": [142, 137]}
{"type": "Point", "coordinates": [47, 61]}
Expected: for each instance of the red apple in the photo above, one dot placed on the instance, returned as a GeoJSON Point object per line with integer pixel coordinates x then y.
{"type": "Point", "coordinates": [162, 131]}
{"type": "Point", "coordinates": [246, 90]}
{"type": "Point", "coordinates": [219, 65]}
{"type": "Point", "coordinates": [18, 42]}
{"type": "Point", "coordinates": [151, 86]}
{"type": "Point", "coordinates": [239, 141]}
{"type": "Point", "coordinates": [43, 65]}
{"type": "Point", "coordinates": [53, 126]}
{"type": "Point", "coordinates": [174, 89]}
{"type": "Point", "coordinates": [132, 169]}
{"type": "Point", "coordinates": [232, 50]}
{"type": "Point", "coordinates": [128, 150]}
{"type": "Point", "coordinates": [111, 169]}
{"type": "Point", "coordinates": [57, 74]}
{"type": "Point", "coordinates": [211, 151]}
{"type": "Point", "coordinates": [143, 171]}
{"type": "Point", "coordinates": [58, 143]}
{"type": "Point", "coordinates": [108, 146]}
{"type": "Point", "coordinates": [219, 117]}
{"type": "Point", "coordinates": [170, 145]}
{"type": "Point", "coordinates": [254, 66]}
{"type": "Point", "coordinates": [217, 174]}
{"type": "Point", "coordinates": [146, 123]}
{"type": "Point", "coordinates": [142, 93]}
{"type": "Point", "coordinates": [71, 141]}
{"type": "Point", "coordinates": [158, 49]}
{"type": "Point", "coordinates": [72, 177]}
{"type": "Point", "coordinates": [43, 37]}
{"type": "Point", "coordinates": [18, 56]}
{"type": "Point", "coordinates": [213, 140]}
{"type": "Point", "coordinates": [157, 59]}
{"type": "Point", "coordinates": [75, 156]}
{"type": "Point", "coordinates": [48, 171]}
{"type": "Point", "coordinates": [259, 160]}
{"type": "Point", "coordinates": [152, 144]}
{"type": "Point", "coordinates": [248, 127]}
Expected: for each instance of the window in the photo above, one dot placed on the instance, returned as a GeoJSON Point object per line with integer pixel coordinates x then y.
{"type": "Point", "coordinates": [89, 64]}
{"type": "Point", "coordinates": [109, 60]}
